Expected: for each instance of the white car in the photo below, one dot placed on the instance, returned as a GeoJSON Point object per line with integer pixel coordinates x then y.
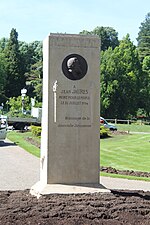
{"type": "Point", "coordinates": [107, 125]}
{"type": "Point", "coordinates": [3, 127]}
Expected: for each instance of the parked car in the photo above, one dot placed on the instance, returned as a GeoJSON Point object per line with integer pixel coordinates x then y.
{"type": "Point", "coordinates": [3, 127]}
{"type": "Point", "coordinates": [110, 126]}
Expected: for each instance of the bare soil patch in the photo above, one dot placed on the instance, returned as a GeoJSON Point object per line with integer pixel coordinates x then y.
{"type": "Point", "coordinates": [124, 172]}
{"type": "Point", "coordinates": [115, 208]}
{"type": "Point", "coordinates": [33, 142]}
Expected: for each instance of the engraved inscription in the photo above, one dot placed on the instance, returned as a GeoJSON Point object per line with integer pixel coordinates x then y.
{"type": "Point", "coordinates": [75, 104]}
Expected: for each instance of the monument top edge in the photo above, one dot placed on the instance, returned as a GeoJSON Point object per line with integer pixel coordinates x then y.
{"type": "Point", "coordinates": [90, 36]}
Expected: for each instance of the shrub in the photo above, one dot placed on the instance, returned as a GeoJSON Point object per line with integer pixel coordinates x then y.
{"type": "Point", "coordinates": [36, 130]}
{"type": "Point", "coordinates": [104, 132]}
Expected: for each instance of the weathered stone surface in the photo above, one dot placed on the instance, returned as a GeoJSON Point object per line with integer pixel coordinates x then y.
{"type": "Point", "coordinates": [70, 117]}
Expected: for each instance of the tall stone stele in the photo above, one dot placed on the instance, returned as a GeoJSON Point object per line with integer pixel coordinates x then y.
{"type": "Point", "coordinates": [70, 141]}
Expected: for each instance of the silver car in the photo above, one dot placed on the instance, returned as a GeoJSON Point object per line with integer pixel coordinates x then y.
{"type": "Point", "coordinates": [107, 125]}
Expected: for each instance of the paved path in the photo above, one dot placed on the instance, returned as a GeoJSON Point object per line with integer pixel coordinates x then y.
{"type": "Point", "coordinates": [19, 170]}
{"type": "Point", "coordinates": [125, 184]}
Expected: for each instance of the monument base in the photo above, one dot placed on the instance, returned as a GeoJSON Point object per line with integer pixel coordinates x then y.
{"type": "Point", "coordinates": [38, 189]}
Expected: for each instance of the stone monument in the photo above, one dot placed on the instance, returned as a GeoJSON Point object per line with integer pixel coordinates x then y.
{"type": "Point", "coordinates": [70, 140]}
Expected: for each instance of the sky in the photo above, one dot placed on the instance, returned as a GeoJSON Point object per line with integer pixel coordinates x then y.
{"type": "Point", "coordinates": [35, 19]}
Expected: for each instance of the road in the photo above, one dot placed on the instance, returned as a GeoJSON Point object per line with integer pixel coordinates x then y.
{"type": "Point", "coordinates": [19, 170]}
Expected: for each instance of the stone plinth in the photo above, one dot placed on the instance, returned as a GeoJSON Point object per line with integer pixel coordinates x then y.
{"type": "Point", "coordinates": [70, 144]}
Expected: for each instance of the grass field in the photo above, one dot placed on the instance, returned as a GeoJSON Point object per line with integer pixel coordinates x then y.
{"type": "Point", "coordinates": [133, 127]}
{"type": "Point", "coordinates": [20, 139]}
{"type": "Point", "coordinates": [126, 152]}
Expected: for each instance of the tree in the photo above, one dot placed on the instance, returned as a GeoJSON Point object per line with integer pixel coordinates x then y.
{"type": "Point", "coordinates": [32, 54]}
{"type": "Point", "coordinates": [15, 69]}
{"type": "Point", "coordinates": [108, 36]}
{"type": "Point", "coordinates": [15, 105]}
{"type": "Point", "coordinates": [34, 78]}
{"type": "Point", "coordinates": [120, 80]}
{"type": "Point", "coordinates": [144, 94]}
{"type": "Point", "coordinates": [3, 73]}
{"type": "Point", "coordinates": [144, 38]}
{"type": "Point", "coordinates": [3, 43]}
{"type": "Point", "coordinates": [2, 78]}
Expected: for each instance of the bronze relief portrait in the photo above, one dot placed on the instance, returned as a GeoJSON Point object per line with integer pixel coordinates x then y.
{"type": "Point", "coordinates": [74, 67]}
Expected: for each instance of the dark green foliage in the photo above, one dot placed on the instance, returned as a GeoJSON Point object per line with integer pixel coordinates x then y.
{"type": "Point", "coordinates": [20, 67]}
{"type": "Point", "coordinates": [34, 79]}
{"type": "Point", "coordinates": [15, 71]}
{"type": "Point", "coordinates": [32, 55]}
{"type": "Point", "coordinates": [2, 98]}
{"type": "Point", "coordinates": [144, 38]}
{"type": "Point", "coordinates": [120, 80]}
{"type": "Point", "coordinates": [108, 36]}
{"type": "Point", "coordinates": [3, 43]}
{"type": "Point", "coordinates": [144, 94]}
{"type": "Point", "coordinates": [3, 64]}
{"type": "Point", "coordinates": [3, 72]}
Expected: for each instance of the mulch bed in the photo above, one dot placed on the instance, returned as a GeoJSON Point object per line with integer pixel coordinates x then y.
{"type": "Point", "coordinates": [124, 172]}
{"type": "Point", "coordinates": [33, 142]}
{"type": "Point", "coordinates": [115, 208]}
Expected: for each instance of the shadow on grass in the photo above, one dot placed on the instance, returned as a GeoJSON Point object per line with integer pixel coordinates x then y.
{"type": "Point", "coordinates": [106, 137]}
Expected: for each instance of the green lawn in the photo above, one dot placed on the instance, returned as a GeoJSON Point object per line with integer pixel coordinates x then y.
{"type": "Point", "coordinates": [126, 152]}
{"type": "Point", "coordinates": [133, 127]}
{"type": "Point", "coordinates": [20, 139]}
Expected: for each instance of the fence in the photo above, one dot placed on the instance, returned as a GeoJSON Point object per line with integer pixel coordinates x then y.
{"type": "Point", "coordinates": [141, 122]}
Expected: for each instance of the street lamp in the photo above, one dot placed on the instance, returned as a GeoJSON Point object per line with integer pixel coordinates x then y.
{"type": "Point", "coordinates": [23, 94]}
{"type": "Point", "coordinates": [7, 105]}
{"type": "Point", "coordinates": [1, 107]}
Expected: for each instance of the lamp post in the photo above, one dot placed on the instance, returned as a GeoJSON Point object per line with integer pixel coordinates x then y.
{"type": "Point", "coordinates": [23, 94]}
{"type": "Point", "coordinates": [7, 105]}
